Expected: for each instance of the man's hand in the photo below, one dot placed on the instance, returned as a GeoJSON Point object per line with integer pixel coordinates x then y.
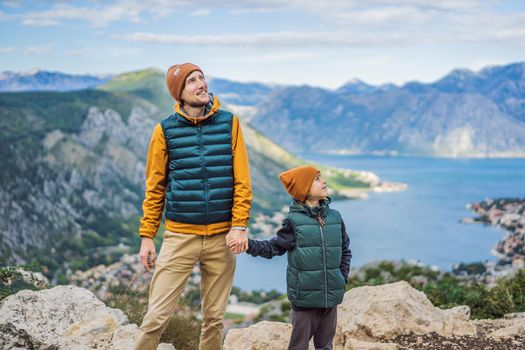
{"type": "Point", "coordinates": [147, 253]}
{"type": "Point", "coordinates": [237, 241]}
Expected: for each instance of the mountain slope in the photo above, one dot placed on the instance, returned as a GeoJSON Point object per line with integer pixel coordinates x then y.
{"type": "Point", "coordinates": [463, 114]}
{"type": "Point", "coordinates": [71, 171]}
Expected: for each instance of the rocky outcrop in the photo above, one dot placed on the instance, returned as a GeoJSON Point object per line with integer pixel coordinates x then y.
{"type": "Point", "coordinates": [386, 311]}
{"type": "Point", "coordinates": [388, 317]}
{"type": "Point", "coordinates": [78, 182]}
{"type": "Point", "coordinates": [395, 317]}
{"type": "Point", "coordinates": [64, 317]}
{"type": "Point", "coordinates": [263, 335]}
{"type": "Point", "coordinates": [127, 273]}
{"type": "Point", "coordinates": [509, 327]}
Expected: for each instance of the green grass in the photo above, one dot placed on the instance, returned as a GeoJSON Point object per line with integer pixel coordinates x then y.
{"type": "Point", "coordinates": [237, 318]}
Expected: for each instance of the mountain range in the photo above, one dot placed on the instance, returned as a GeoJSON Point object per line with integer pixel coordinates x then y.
{"type": "Point", "coordinates": [463, 114]}
{"type": "Point", "coordinates": [41, 80]}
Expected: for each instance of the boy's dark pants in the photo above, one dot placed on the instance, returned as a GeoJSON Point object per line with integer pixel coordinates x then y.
{"type": "Point", "coordinates": [317, 322]}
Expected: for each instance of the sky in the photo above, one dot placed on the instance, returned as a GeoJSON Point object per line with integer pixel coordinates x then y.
{"type": "Point", "coordinates": [287, 42]}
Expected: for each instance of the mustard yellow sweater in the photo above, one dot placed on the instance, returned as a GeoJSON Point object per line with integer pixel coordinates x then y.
{"type": "Point", "coordinates": [156, 180]}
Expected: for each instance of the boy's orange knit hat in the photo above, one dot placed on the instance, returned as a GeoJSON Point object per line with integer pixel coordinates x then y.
{"type": "Point", "coordinates": [298, 181]}
{"type": "Point", "coordinates": [176, 77]}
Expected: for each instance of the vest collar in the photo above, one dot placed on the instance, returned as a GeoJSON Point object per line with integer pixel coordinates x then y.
{"type": "Point", "coordinates": [301, 207]}
{"type": "Point", "coordinates": [214, 104]}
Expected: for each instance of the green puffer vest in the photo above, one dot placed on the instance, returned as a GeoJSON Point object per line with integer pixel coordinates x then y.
{"type": "Point", "coordinates": [313, 276]}
{"type": "Point", "coordinates": [200, 178]}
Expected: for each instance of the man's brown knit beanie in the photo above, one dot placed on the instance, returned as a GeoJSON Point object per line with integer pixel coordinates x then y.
{"type": "Point", "coordinates": [176, 77]}
{"type": "Point", "coordinates": [297, 181]}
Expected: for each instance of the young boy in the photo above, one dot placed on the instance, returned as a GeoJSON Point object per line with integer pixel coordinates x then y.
{"type": "Point", "coordinates": [318, 258]}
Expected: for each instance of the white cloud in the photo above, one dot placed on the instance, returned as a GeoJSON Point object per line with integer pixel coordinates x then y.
{"type": "Point", "coordinates": [97, 16]}
{"type": "Point", "coordinates": [38, 50]}
{"type": "Point", "coordinates": [371, 23]}
{"type": "Point", "coordinates": [373, 12]}
{"type": "Point", "coordinates": [484, 26]}
{"type": "Point", "coordinates": [40, 22]}
{"type": "Point", "coordinates": [483, 63]}
{"type": "Point", "coordinates": [12, 3]}
{"type": "Point", "coordinates": [201, 12]}
{"type": "Point", "coordinates": [7, 49]}
{"type": "Point", "coordinates": [241, 11]}
{"type": "Point", "coordinates": [275, 57]}
{"type": "Point", "coordinates": [350, 22]}
{"type": "Point", "coordinates": [389, 15]}
{"type": "Point", "coordinates": [78, 52]}
{"type": "Point", "coordinates": [278, 39]}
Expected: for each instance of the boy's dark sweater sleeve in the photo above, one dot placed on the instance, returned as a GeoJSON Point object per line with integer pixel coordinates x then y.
{"type": "Point", "coordinates": [347, 253]}
{"type": "Point", "coordinates": [278, 245]}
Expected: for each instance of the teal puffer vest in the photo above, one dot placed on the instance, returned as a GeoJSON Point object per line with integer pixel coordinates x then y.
{"type": "Point", "coordinates": [313, 276]}
{"type": "Point", "coordinates": [200, 177]}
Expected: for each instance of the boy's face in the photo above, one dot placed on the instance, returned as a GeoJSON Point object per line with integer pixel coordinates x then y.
{"type": "Point", "coordinates": [318, 190]}
{"type": "Point", "coordinates": [195, 92]}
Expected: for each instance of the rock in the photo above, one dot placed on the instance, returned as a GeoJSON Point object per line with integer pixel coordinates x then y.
{"type": "Point", "coordinates": [64, 317]}
{"type": "Point", "coordinates": [516, 328]}
{"type": "Point", "coordinates": [514, 315]}
{"type": "Point", "coordinates": [390, 310]}
{"type": "Point", "coordinates": [276, 336]}
{"type": "Point", "coordinates": [124, 338]}
{"type": "Point", "coordinates": [264, 335]}
{"type": "Point", "coordinates": [364, 345]}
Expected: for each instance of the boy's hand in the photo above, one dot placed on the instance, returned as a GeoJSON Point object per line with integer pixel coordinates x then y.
{"type": "Point", "coordinates": [237, 241]}
{"type": "Point", "coordinates": [147, 253]}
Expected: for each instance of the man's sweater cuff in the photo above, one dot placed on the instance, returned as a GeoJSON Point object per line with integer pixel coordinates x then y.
{"type": "Point", "coordinates": [240, 222]}
{"type": "Point", "coordinates": [146, 234]}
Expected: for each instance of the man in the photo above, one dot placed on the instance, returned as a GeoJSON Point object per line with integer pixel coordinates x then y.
{"type": "Point", "coordinates": [197, 169]}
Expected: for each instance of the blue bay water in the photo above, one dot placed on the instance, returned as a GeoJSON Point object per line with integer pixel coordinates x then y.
{"type": "Point", "coordinates": [419, 223]}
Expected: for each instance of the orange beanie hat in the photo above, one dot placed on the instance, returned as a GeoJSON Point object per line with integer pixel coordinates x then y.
{"type": "Point", "coordinates": [298, 181]}
{"type": "Point", "coordinates": [176, 77]}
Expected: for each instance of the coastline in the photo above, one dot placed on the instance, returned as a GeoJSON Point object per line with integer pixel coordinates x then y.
{"type": "Point", "coordinates": [394, 153]}
{"type": "Point", "coordinates": [509, 251]}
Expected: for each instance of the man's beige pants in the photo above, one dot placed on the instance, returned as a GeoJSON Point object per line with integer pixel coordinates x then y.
{"type": "Point", "coordinates": [178, 254]}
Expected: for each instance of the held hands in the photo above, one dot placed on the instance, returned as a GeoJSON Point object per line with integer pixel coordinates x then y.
{"type": "Point", "coordinates": [147, 253]}
{"type": "Point", "coordinates": [237, 241]}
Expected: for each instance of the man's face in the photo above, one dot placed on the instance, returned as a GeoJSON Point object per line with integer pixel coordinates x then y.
{"type": "Point", "coordinates": [195, 92]}
{"type": "Point", "coordinates": [318, 190]}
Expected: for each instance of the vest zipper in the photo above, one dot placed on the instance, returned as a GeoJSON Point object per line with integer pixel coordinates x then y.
{"type": "Point", "coordinates": [324, 267]}
{"type": "Point", "coordinates": [204, 173]}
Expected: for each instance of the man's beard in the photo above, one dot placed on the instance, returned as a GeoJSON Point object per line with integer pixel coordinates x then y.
{"type": "Point", "coordinates": [196, 104]}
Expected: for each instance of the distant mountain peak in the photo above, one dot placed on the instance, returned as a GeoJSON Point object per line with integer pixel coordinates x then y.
{"type": "Point", "coordinates": [356, 86]}
{"type": "Point", "coordinates": [32, 71]}
{"type": "Point", "coordinates": [355, 81]}
{"type": "Point", "coordinates": [461, 74]}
